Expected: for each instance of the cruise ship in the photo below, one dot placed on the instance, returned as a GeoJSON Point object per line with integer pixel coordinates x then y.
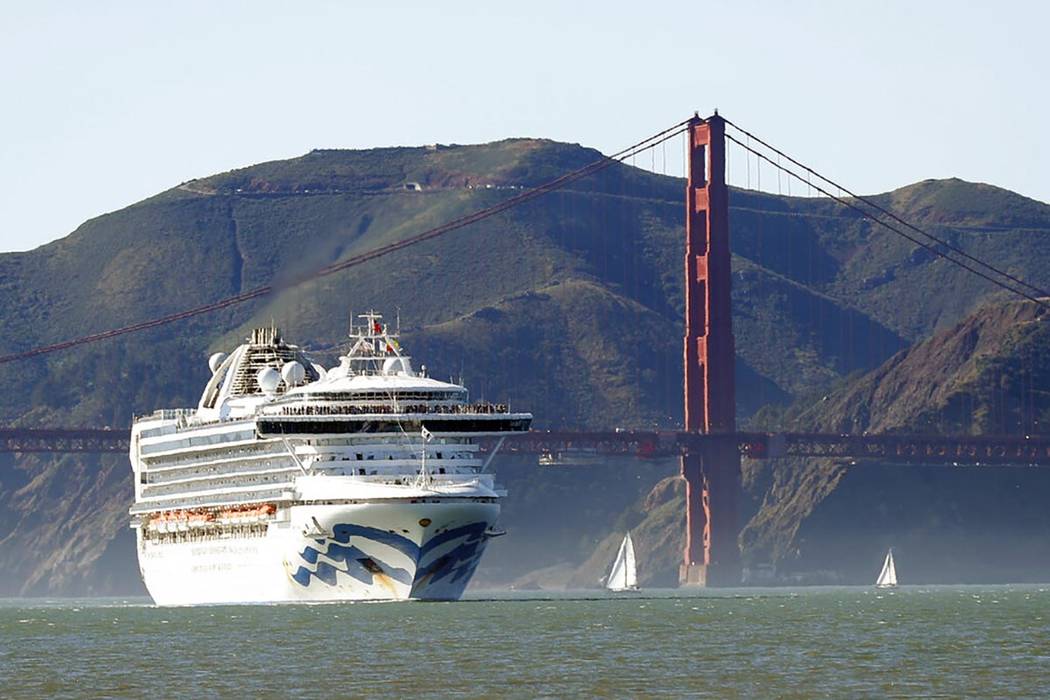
{"type": "Point", "coordinates": [290, 482]}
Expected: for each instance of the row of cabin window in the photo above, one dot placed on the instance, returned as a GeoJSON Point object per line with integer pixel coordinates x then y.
{"type": "Point", "coordinates": [199, 441]}
{"type": "Point", "coordinates": [162, 488]}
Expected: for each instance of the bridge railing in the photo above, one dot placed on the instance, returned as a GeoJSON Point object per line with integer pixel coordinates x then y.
{"type": "Point", "coordinates": [64, 440]}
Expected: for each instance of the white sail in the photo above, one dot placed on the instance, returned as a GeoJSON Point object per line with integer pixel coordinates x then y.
{"type": "Point", "coordinates": [624, 574]}
{"type": "Point", "coordinates": [629, 566]}
{"type": "Point", "coordinates": [888, 575]}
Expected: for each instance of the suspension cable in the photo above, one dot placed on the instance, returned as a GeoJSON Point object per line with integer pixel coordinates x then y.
{"type": "Point", "coordinates": [868, 215]}
{"type": "Point", "coordinates": [874, 205]}
{"type": "Point", "coordinates": [521, 198]}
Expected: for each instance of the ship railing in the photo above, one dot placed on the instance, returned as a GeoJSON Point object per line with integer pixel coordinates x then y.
{"type": "Point", "coordinates": [480, 408]}
{"type": "Point", "coordinates": [388, 409]}
{"type": "Point", "coordinates": [167, 414]}
{"type": "Point", "coordinates": [409, 479]}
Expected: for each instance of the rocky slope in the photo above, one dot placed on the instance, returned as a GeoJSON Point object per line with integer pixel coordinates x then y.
{"type": "Point", "coordinates": [986, 375]}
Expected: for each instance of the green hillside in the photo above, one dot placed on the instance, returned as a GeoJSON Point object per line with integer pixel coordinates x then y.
{"type": "Point", "coordinates": [569, 306]}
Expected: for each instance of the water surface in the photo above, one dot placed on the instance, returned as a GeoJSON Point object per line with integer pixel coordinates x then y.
{"type": "Point", "coordinates": [815, 642]}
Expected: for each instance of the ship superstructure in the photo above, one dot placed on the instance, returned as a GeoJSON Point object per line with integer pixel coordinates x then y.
{"type": "Point", "coordinates": [289, 482]}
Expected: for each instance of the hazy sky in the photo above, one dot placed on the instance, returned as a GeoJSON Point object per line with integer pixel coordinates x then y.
{"type": "Point", "coordinates": [105, 103]}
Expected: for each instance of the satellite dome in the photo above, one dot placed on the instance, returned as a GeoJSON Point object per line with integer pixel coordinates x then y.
{"type": "Point", "coordinates": [393, 366]}
{"type": "Point", "coordinates": [269, 379]}
{"type": "Point", "coordinates": [215, 361]}
{"type": "Point", "coordinates": [293, 373]}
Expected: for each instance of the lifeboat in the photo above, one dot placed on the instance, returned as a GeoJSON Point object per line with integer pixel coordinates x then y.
{"type": "Point", "coordinates": [156, 522]}
{"type": "Point", "coordinates": [199, 519]}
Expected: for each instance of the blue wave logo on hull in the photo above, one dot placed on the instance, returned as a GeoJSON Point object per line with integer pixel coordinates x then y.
{"type": "Point", "coordinates": [356, 563]}
{"type": "Point", "coordinates": [458, 565]}
{"type": "Point", "coordinates": [451, 571]}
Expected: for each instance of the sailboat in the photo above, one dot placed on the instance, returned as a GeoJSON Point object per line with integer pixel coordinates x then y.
{"type": "Point", "coordinates": [888, 575]}
{"type": "Point", "coordinates": [624, 575]}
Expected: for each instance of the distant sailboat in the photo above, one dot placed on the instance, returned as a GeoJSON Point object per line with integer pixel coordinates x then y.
{"type": "Point", "coordinates": [624, 574]}
{"type": "Point", "coordinates": [888, 575]}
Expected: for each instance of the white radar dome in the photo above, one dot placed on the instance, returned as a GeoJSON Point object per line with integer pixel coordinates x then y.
{"type": "Point", "coordinates": [397, 365]}
{"type": "Point", "coordinates": [293, 373]}
{"type": "Point", "coordinates": [215, 361]}
{"type": "Point", "coordinates": [269, 379]}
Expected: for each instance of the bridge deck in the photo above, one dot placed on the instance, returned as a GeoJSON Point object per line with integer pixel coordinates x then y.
{"type": "Point", "coordinates": [903, 448]}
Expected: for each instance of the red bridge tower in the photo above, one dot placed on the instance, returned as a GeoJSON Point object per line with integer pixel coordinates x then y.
{"type": "Point", "coordinates": [712, 556]}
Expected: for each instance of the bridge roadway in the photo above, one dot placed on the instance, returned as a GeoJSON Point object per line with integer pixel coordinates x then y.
{"type": "Point", "coordinates": [562, 445]}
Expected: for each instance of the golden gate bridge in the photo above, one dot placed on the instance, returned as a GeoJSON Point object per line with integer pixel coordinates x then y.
{"type": "Point", "coordinates": [710, 447]}
{"type": "Point", "coordinates": [903, 448]}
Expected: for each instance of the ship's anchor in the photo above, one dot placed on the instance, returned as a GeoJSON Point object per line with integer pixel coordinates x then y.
{"type": "Point", "coordinates": [316, 531]}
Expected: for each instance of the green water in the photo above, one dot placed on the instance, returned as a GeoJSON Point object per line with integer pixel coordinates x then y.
{"type": "Point", "coordinates": [818, 642]}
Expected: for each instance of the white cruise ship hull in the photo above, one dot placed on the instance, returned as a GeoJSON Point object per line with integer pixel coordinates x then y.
{"type": "Point", "coordinates": [392, 549]}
